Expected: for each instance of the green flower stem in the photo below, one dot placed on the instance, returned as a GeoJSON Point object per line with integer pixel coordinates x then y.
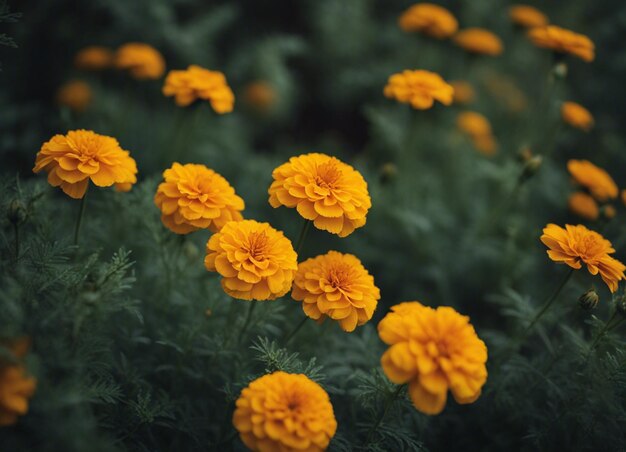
{"type": "Point", "coordinates": [295, 330]}
{"type": "Point", "coordinates": [549, 302]}
{"type": "Point", "coordinates": [389, 402]}
{"type": "Point", "coordinates": [608, 327]}
{"type": "Point", "coordinates": [16, 228]}
{"type": "Point", "coordinates": [302, 236]}
{"type": "Point", "coordinates": [81, 214]}
{"type": "Point", "coordinates": [246, 323]}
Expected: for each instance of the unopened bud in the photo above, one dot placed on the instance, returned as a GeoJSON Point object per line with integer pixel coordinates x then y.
{"type": "Point", "coordinates": [608, 211]}
{"type": "Point", "coordinates": [388, 172]}
{"type": "Point", "coordinates": [524, 154]}
{"type": "Point", "coordinates": [589, 300]}
{"type": "Point", "coordinates": [560, 70]}
{"type": "Point", "coordinates": [531, 166]}
{"type": "Point", "coordinates": [16, 213]}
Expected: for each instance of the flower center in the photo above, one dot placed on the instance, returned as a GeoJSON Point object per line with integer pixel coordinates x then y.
{"type": "Point", "coordinates": [257, 245]}
{"type": "Point", "coordinates": [327, 174]}
{"type": "Point", "coordinates": [338, 278]}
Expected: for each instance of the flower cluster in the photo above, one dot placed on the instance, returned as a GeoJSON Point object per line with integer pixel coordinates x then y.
{"type": "Point", "coordinates": [72, 160]}
{"type": "Point", "coordinates": [324, 190]}
{"type": "Point", "coordinates": [599, 183]}
{"type": "Point", "coordinates": [256, 261]}
{"type": "Point", "coordinates": [479, 41]}
{"type": "Point", "coordinates": [429, 19]}
{"type": "Point", "coordinates": [419, 88]}
{"type": "Point", "coordinates": [141, 60]}
{"type": "Point", "coordinates": [16, 386]}
{"type": "Point", "coordinates": [563, 41]}
{"type": "Point", "coordinates": [478, 129]}
{"type": "Point", "coordinates": [195, 197]}
{"type": "Point", "coordinates": [199, 83]}
{"type": "Point", "coordinates": [576, 116]}
{"type": "Point", "coordinates": [338, 286]}
{"type": "Point", "coordinates": [284, 412]}
{"type": "Point", "coordinates": [433, 350]}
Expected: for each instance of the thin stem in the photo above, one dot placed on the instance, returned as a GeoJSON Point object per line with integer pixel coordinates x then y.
{"type": "Point", "coordinates": [295, 330]}
{"type": "Point", "coordinates": [392, 398]}
{"type": "Point", "coordinates": [16, 228]}
{"type": "Point", "coordinates": [303, 232]}
{"type": "Point", "coordinates": [603, 332]}
{"type": "Point", "coordinates": [549, 301]}
{"type": "Point", "coordinates": [246, 323]}
{"type": "Point", "coordinates": [81, 213]}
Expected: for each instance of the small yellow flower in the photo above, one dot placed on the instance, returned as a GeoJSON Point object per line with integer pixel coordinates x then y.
{"type": "Point", "coordinates": [256, 261]}
{"type": "Point", "coordinates": [478, 129]}
{"type": "Point", "coordinates": [195, 197]}
{"type": "Point", "coordinates": [141, 60]}
{"type": "Point", "coordinates": [527, 16]}
{"type": "Point", "coordinates": [577, 245]}
{"type": "Point", "coordinates": [463, 92]}
{"type": "Point", "coordinates": [429, 19]}
{"type": "Point", "coordinates": [198, 83]}
{"type": "Point", "coordinates": [75, 94]}
{"type": "Point", "coordinates": [72, 160]}
{"type": "Point", "coordinates": [561, 40]}
{"type": "Point", "coordinates": [336, 285]}
{"type": "Point", "coordinates": [479, 40]}
{"type": "Point", "coordinates": [419, 88]}
{"type": "Point", "coordinates": [260, 95]}
{"type": "Point", "coordinates": [433, 350]}
{"type": "Point", "coordinates": [576, 116]}
{"type": "Point", "coordinates": [596, 180]}
{"type": "Point", "coordinates": [284, 412]}
{"type": "Point", "coordinates": [16, 386]}
{"type": "Point", "coordinates": [584, 206]}
{"type": "Point", "coordinates": [324, 190]}
{"type": "Point", "coordinates": [94, 58]}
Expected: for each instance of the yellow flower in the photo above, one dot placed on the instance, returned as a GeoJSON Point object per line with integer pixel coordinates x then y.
{"type": "Point", "coordinates": [478, 129]}
{"type": "Point", "coordinates": [284, 412]}
{"type": "Point", "coordinates": [141, 60]}
{"type": "Point", "coordinates": [583, 205]}
{"type": "Point", "coordinates": [195, 197]}
{"type": "Point", "coordinates": [16, 387]}
{"type": "Point", "coordinates": [429, 19]}
{"type": "Point", "coordinates": [256, 261]}
{"type": "Point", "coordinates": [527, 16]}
{"type": "Point", "coordinates": [609, 211]}
{"type": "Point", "coordinates": [463, 92]}
{"type": "Point", "coordinates": [198, 83]}
{"type": "Point", "coordinates": [479, 40]}
{"type": "Point", "coordinates": [561, 40]}
{"type": "Point", "coordinates": [596, 180]}
{"type": "Point", "coordinates": [433, 350]}
{"type": "Point", "coordinates": [624, 197]}
{"type": "Point", "coordinates": [576, 116]}
{"type": "Point", "coordinates": [577, 245]}
{"type": "Point", "coordinates": [94, 58]}
{"type": "Point", "coordinates": [338, 286]}
{"type": "Point", "coordinates": [75, 95]}
{"type": "Point", "coordinates": [72, 160]}
{"type": "Point", "coordinates": [260, 95]}
{"type": "Point", "coordinates": [419, 88]}
{"type": "Point", "coordinates": [324, 190]}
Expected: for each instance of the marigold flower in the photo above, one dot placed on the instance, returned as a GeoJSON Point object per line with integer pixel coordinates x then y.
{"type": "Point", "coordinates": [324, 190]}
{"type": "Point", "coordinates": [338, 286]}
{"type": "Point", "coordinates": [284, 412]}
{"type": "Point", "coordinates": [260, 95]}
{"type": "Point", "coordinates": [561, 40]}
{"type": "Point", "coordinates": [419, 88]}
{"type": "Point", "coordinates": [94, 58]}
{"type": "Point", "coordinates": [577, 245]}
{"type": "Point", "coordinates": [16, 386]}
{"type": "Point", "coordinates": [256, 261]}
{"type": "Point", "coordinates": [623, 195]}
{"type": "Point", "coordinates": [72, 160]}
{"type": "Point", "coordinates": [584, 206]}
{"type": "Point", "coordinates": [463, 92]}
{"type": "Point", "coordinates": [478, 129]}
{"type": "Point", "coordinates": [479, 40]}
{"type": "Point", "coordinates": [608, 211]}
{"type": "Point", "coordinates": [433, 350]}
{"type": "Point", "coordinates": [199, 83]}
{"type": "Point", "coordinates": [75, 95]}
{"type": "Point", "coordinates": [485, 144]}
{"type": "Point", "coordinates": [596, 180]}
{"type": "Point", "coordinates": [195, 197]}
{"type": "Point", "coordinates": [141, 60]}
{"type": "Point", "coordinates": [576, 116]}
{"type": "Point", "coordinates": [527, 16]}
{"type": "Point", "coordinates": [429, 19]}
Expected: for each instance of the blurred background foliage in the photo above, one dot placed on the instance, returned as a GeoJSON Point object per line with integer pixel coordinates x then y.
{"type": "Point", "coordinates": [134, 344]}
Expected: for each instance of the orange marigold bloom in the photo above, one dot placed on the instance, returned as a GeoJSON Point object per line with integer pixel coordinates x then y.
{"type": "Point", "coordinates": [338, 286]}
{"type": "Point", "coordinates": [576, 116]}
{"type": "Point", "coordinates": [284, 412]}
{"type": "Point", "coordinates": [429, 19]}
{"type": "Point", "coordinates": [199, 83]}
{"type": "Point", "coordinates": [72, 160]}
{"type": "Point", "coordinates": [596, 180]}
{"type": "Point", "coordinates": [195, 197]}
{"type": "Point", "coordinates": [609, 211]}
{"type": "Point", "coordinates": [324, 190]}
{"type": "Point", "coordinates": [260, 95]}
{"type": "Point", "coordinates": [141, 60]}
{"type": "Point", "coordinates": [419, 88]}
{"type": "Point", "coordinates": [463, 92]}
{"type": "Point", "coordinates": [94, 58]}
{"type": "Point", "coordinates": [433, 350]}
{"type": "Point", "coordinates": [485, 144]}
{"type": "Point", "coordinates": [479, 40]}
{"type": "Point", "coordinates": [527, 16]}
{"type": "Point", "coordinates": [16, 386]}
{"type": "Point", "coordinates": [561, 40]}
{"type": "Point", "coordinates": [583, 205]}
{"type": "Point", "coordinates": [256, 261]}
{"type": "Point", "coordinates": [577, 245]}
{"type": "Point", "coordinates": [478, 129]}
{"type": "Point", "coordinates": [75, 95]}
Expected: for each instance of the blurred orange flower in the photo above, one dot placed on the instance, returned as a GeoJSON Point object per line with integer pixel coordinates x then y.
{"type": "Point", "coordinates": [433, 350]}
{"type": "Point", "coordinates": [429, 19]}
{"type": "Point", "coordinates": [479, 40]}
{"type": "Point", "coordinates": [478, 129]}
{"type": "Point", "coordinates": [584, 206]}
{"type": "Point", "coordinates": [577, 245]}
{"type": "Point", "coordinates": [527, 16]}
{"type": "Point", "coordinates": [561, 40]}
{"type": "Point", "coordinates": [419, 88]}
{"type": "Point", "coordinates": [576, 116]}
{"type": "Point", "coordinates": [463, 92]}
{"type": "Point", "coordinates": [75, 94]}
{"type": "Point", "coordinates": [596, 180]}
{"type": "Point", "coordinates": [141, 60]}
{"type": "Point", "coordinates": [16, 386]}
{"type": "Point", "coordinates": [72, 160]}
{"type": "Point", "coordinates": [260, 94]}
{"type": "Point", "coordinates": [198, 83]}
{"type": "Point", "coordinates": [94, 58]}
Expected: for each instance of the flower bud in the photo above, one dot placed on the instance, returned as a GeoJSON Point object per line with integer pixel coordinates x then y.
{"type": "Point", "coordinates": [589, 300]}
{"type": "Point", "coordinates": [16, 213]}
{"type": "Point", "coordinates": [608, 211]}
{"type": "Point", "coordinates": [524, 154]}
{"type": "Point", "coordinates": [531, 166]}
{"type": "Point", "coordinates": [388, 172]}
{"type": "Point", "coordinates": [560, 70]}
